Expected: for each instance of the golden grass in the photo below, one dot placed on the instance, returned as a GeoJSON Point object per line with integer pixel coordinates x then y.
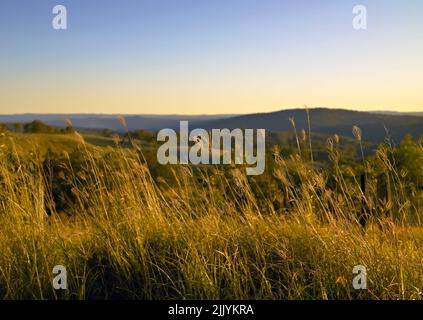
{"type": "Point", "coordinates": [129, 238]}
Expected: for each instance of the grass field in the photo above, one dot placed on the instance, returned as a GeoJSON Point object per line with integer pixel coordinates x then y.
{"type": "Point", "coordinates": [127, 236]}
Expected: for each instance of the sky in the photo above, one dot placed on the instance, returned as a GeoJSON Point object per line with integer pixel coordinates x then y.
{"type": "Point", "coordinates": [209, 56]}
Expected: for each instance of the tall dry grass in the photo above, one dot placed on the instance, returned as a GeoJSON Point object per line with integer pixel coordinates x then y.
{"type": "Point", "coordinates": [208, 238]}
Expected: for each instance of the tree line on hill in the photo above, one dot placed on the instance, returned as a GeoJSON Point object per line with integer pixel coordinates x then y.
{"type": "Point", "coordinates": [35, 126]}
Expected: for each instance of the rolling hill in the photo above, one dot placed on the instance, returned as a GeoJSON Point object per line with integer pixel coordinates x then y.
{"type": "Point", "coordinates": [330, 121]}
{"type": "Point", "coordinates": [327, 121]}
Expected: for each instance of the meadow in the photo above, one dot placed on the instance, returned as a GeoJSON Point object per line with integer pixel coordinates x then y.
{"type": "Point", "coordinates": [123, 230]}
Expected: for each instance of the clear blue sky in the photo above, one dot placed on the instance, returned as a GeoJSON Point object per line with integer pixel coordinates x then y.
{"type": "Point", "coordinates": [209, 56]}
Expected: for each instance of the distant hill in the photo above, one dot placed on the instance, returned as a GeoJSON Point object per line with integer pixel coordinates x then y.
{"type": "Point", "coordinates": [149, 122]}
{"type": "Point", "coordinates": [99, 121]}
{"type": "Point", "coordinates": [396, 113]}
{"type": "Point", "coordinates": [326, 121]}
{"type": "Point", "coordinates": [330, 121]}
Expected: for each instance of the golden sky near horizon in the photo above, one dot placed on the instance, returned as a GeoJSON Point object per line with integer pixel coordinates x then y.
{"type": "Point", "coordinates": [214, 94]}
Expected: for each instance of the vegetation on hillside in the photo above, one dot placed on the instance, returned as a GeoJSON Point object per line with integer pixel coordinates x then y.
{"type": "Point", "coordinates": [126, 227]}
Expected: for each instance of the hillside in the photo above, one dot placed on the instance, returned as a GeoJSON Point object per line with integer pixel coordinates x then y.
{"type": "Point", "coordinates": [325, 121]}
{"type": "Point", "coordinates": [40, 143]}
{"type": "Point", "coordinates": [329, 121]}
{"type": "Point", "coordinates": [107, 121]}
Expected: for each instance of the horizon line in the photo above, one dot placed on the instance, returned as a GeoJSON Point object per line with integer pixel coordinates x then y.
{"type": "Point", "coordinates": [206, 114]}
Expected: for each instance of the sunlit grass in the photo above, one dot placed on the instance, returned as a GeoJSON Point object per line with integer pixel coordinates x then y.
{"type": "Point", "coordinates": [128, 237]}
